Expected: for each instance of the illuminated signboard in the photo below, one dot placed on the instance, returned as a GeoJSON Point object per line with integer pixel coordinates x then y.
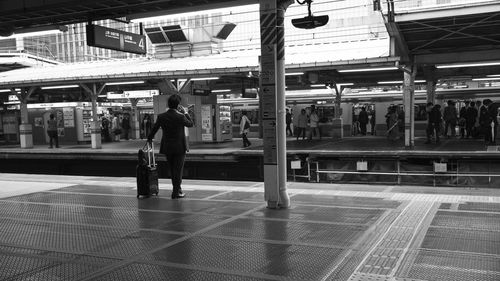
{"type": "Point", "coordinates": [114, 39]}
{"type": "Point", "coordinates": [132, 94]}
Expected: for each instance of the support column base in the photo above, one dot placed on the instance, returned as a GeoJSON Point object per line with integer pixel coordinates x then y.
{"type": "Point", "coordinates": [338, 128]}
{"type": "Point", "coordinates": [95, 136]}
{"type": "Point", "coordinates": [26, 135]}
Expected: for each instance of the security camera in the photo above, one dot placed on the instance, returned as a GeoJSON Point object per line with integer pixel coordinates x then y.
{"type": "Point", "coordinates": [310, 22]}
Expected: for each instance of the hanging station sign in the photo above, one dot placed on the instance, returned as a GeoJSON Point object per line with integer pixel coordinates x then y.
{"type": "Point", "coordinates": [114, 39]}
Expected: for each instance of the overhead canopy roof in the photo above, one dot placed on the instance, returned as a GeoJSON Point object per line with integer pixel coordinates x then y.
{"type": "Point", "coordinates": [237, 64]}
{"type": "Point", "coordinates": [448, 34]}
{"type": "Point", "coordinates": [16, 15]}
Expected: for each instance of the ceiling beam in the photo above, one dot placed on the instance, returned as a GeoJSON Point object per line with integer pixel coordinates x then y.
{"type": "Point", "coordinates": [458, 57]}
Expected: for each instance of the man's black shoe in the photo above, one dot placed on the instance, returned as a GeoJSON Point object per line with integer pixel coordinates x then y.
{"type": "Point", "coordinates": [178, 195]}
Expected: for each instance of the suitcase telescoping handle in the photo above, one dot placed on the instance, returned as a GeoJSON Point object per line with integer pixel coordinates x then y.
{"type": "Point", "coordinates": [150, 152]}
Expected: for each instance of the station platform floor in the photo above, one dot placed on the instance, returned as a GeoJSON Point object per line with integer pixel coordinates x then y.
{"type": "Point", "coordinates": [94, 228]}
{"type": "Point", "coordinates": [357, 144]}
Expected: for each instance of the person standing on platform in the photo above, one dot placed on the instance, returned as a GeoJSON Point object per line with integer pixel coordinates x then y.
{"type": "Point", "coordinates": [173, 141]}
{"type": "Point", "coordinates": [462, 119]}
{"type": "Point", "coordinates": [105, 129]}
{"type": "Point", "coordinates": [126, 126]}
{"type": "Point", "coordinates": [52, 131]}
{"type": "Point", "coordinates": [314, 123]}
{"type": "Point", "coordinates": [288, 118]}
{"type": "Point", "coordinates": [146, 125]}
{"type": "Point", "coordinates": [245, 128]}
{"type": "Point", "coordinates": [435, 121]}
{"type": "Point", "coordinates": [392, 116]}
{"type": "Point", "coordinates": [429, 130]}
{"type": "Point", "coordinates": [363, 120]}
{"type": "Point", "coordinates": [470, 119]}
{"type": "Point", "coordinates": [484, 125]}
{"type": "Point", "coordinates": [302, 124]}
{"type": "Point", "coordinates": [450, 119]}
{"type": "Point", "coordinates": [492, 121]}
{"type": "Point", "coordinates": [115, 127]}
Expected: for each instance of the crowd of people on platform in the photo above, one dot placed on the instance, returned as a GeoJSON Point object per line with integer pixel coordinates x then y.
{"type": "Point", "coordinates": [476, 119]}
{"type": "Point", "coordinates": [117, 125]}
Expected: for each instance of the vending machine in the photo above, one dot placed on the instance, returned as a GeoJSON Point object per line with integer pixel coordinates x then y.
{"type": "Point", "coordinates": [223, 124]}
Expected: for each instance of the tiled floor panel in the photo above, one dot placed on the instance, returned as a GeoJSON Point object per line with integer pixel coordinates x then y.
{"type": "Point", "coordinates": [89, 231]}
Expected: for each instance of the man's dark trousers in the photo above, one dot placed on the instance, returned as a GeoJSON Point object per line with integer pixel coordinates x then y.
{"type": "Point", "coordinates": [176, 165]}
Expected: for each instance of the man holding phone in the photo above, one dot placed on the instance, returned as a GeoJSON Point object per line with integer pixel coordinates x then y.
{"type": "Point", "coordinates": [173, 142]}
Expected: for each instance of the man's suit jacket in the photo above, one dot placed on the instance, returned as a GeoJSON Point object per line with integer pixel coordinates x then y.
{"type": "Point", "coordinates": [172, 123]}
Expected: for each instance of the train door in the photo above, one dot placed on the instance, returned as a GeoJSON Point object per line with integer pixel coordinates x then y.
{"type": "Point", "coordinates": [366, 126]}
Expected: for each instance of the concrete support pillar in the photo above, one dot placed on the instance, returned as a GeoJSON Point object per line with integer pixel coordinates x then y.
{"type": "Point", "coordinates": [431, 91]}
{"type": "Point", "coordinates": [25, 128]}
{"type": "Point", "coordinates": [95, 127]}
{"type": "Point", "coordinates": [409, 105]}
{"type": "Point", "coordinates": [272, 80]}
{"type": "Point", "coordinates": [338, 124]}
{"type": "Point", "coordinates": [135, 122]}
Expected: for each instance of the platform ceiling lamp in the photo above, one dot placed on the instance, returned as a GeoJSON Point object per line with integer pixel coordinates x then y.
{"type": "Point", "coordinates": [309, 21]}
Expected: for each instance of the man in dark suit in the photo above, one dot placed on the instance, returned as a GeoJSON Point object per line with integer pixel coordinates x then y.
{"type": "Point", "coordinates": [173, 142]}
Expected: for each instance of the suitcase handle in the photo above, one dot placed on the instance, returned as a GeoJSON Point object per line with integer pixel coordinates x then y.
{"type": "Point", "coordinates": [150, 152]}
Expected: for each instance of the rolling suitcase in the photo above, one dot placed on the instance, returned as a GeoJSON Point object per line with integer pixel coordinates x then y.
{"type": "Point", "coordinates": [146, 172]}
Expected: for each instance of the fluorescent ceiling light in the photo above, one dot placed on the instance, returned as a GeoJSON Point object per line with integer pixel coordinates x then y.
{"type": "Point", "coordinates": [467, 65]}
{"type": "Point", "coordinates": [398, 82]}
{"type": "Point", "coordinates": [37, 31]}
{"type": "Point", "coordinates": [294, 73]}
{"type": "Point", "coordinates": [368, 69]}
{"type": "Point", "coordinates": [59, 87]}
{"type": "Point", "coordinates": [318, 85]}
{"type": "Point", "coordinates": [221, 91]}
{"type": "Point", "coordinates": [200, 79]}
{"type": "Point", "coordinates": [486, 79]}
{"type": "Point", "coordinates": [493, 75]}
{"type": "Point", "coordinates": [124, 83]}
{"type": "Point", "coordinates": [344, 84]}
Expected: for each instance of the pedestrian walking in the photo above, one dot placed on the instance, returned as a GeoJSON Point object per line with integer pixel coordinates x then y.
{"type": "Point", "coordinates": [245, 128]}
{"type": "Point", "coordinates": [173, 141]}
{"type": "Point", "coordinates": [288, 118]}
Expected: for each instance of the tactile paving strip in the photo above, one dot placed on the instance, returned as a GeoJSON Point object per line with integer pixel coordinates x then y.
{"type": "Point", "coordinates": [285, 260]}
{"type": "Point", "coordinates": [384, 258]}
{"type": "Point", "coordinates": [474, 221]}
{"type": "Point", "coordinates": [464, 240]}
{"type": "Point", "coordinates": [454, 266]}
{"type": "Point", "coordinates": [298, 232]}
{"type": "Point", "coordinates": [139, 271]}
{"type": "Point", "coordinates": [322, 214]}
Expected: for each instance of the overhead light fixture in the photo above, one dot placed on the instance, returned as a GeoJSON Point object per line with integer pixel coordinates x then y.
{"type": "Point", "coordinates": [398, 82]}
{"type": "Point", "coordinates": [493, 75]}
{"type": "Point", "coordinates": [467, 65]}
{"type": "Point", "coordinates": [368, 69]}
{"type": "Point", "coordinates": [221, 91]}
{"type": "Point", "coordinates": [486, 79]}
{"type": "Point", "coordinates": [124, 83]}
{"type": "Point", "coordinates": [294, 73]}
{"type": "Point", "coordinates": [199, 79]}
{"type": "Point", "coordinates": [36, 31]}
{"type": "Point", "coordinates": [318, 85]}
{"type": "Point", "coordinates": [59, 87]}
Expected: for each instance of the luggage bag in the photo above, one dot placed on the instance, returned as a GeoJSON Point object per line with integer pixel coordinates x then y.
{"type": "Point", "coordinates": [146, 172]}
